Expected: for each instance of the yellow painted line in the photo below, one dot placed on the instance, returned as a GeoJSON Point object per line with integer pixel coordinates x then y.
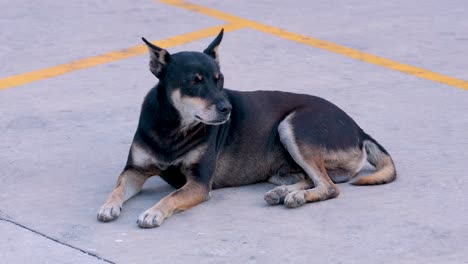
{"type": "Point", "coordinates": [325, 45]}
{"type": "Point", "coordinates": [37, 75]}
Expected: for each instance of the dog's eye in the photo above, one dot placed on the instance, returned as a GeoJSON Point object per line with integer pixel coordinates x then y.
{"type": "Point", "coordinates": [218, 76]}
{"type": "Point", "coordinates": [198, 78]}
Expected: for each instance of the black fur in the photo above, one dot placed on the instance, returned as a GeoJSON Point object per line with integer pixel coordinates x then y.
{"type": "Point", "coordinates": [245, 149]}
{"type": "Point", "coordinates": [197, 136]}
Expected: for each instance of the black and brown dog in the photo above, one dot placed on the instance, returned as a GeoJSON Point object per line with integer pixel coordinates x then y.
{"type": "Point", "coordinates": [197, 136]}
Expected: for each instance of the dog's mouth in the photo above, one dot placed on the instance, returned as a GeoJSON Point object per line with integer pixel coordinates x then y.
{"type": "Point", "coordinates": [218, 121]}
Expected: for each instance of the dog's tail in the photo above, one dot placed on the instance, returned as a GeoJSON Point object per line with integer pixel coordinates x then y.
{"type": "Point", "coordinates": [380, 159]}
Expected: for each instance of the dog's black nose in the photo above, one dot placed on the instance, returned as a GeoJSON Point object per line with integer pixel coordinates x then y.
{"type": "Point", "coordinates": [224, 107]}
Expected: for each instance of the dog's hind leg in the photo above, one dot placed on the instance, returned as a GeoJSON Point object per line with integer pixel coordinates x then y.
{"type": "Point", "coordinates": [324, 187]}
{"type": "Point", "coordinates": [309, 157]}
{"type": "Point", "coordinates": [129, 183]}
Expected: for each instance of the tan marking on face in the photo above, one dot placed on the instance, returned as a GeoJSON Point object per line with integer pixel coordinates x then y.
{"type": "Point", "coordinates": [191, 107]}
{"type": "Point", "coordinates": [199, 77]}
{"type": "Point", "coordinates": [216, 76]}
{"type": "Point", "coordinates": [188, 108]}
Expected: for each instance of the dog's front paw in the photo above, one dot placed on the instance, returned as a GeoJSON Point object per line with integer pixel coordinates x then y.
{"type": "Point", "coordinates": [295, 199]}
{"type": "Point", "coordinates": [109, 212]}
{"type": "Point", "coordinates": [150, 218]}
{"type": "Point", "coordinates": [276, 196]}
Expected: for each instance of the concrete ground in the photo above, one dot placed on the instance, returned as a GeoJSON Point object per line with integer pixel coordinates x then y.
{"type": "Point", "coordinates": [65, 139]}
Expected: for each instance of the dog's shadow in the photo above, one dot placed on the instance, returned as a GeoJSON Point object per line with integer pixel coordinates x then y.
{"type": "Point", "coordinates": [153, 191]}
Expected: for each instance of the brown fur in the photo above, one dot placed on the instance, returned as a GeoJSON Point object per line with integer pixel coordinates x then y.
{"type": "Point", "coordinates": [350, 161]}
{"type": "Point", "coordinates": [184, 198]}
{"type": "Point", "coordinates": [386, 171]}
{"type": "Point", "coordinates": [129, 183]}
{"type": "Point", "coordinates": [312, 160]}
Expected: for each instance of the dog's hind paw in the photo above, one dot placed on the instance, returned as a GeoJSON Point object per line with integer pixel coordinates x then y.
{"type": "Point", "coordinates": [276, 196]}
{"type": "Point", "coordinates": [109, 212]}
{"type": "Point", "coordinates": [150, 218]}
{"type": "Point", "coordinates": [295, 199]}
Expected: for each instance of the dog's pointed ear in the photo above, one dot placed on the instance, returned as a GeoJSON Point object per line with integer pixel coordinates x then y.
{"type": "Point", "coordinates": [212, 49]}
{"type": "Point", "coordinates": [159, 58]}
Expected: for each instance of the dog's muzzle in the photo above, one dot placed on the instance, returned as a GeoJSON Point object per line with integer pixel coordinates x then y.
{"type": "Point", "coordinates": [217, 121]}
{"type": "Point", "coordinates": [224, 108]}
{"type": "Point", "coordinates": [222, 114]}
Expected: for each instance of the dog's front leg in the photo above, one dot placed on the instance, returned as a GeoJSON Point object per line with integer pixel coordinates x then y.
{"type": "Point", "coordinates": [191, 194]}
{"type": "Point", "coordinates": [129, 183]}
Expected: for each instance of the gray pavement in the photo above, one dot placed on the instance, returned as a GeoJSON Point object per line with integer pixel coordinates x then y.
{"type": "Point", "coordinates": [20, 245]}
{"type": "Point", "coordinates": [64, 140]}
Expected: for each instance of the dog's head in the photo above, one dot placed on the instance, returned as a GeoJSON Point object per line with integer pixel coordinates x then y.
{"type": "Point", "coordinates": [193, 82]}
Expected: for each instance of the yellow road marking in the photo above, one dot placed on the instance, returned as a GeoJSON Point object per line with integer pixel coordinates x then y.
{"type": "Point", "coordinates": [321, 44]}
{"type": "Point", "coordinates": [32, 76]}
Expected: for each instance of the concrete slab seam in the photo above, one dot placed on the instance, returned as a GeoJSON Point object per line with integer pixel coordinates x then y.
{"type": "Point", "coordinates": [56, 240]}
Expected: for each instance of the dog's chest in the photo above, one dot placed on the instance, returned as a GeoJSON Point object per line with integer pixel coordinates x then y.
{"type": "Point", "coordinates": [144, 157]}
